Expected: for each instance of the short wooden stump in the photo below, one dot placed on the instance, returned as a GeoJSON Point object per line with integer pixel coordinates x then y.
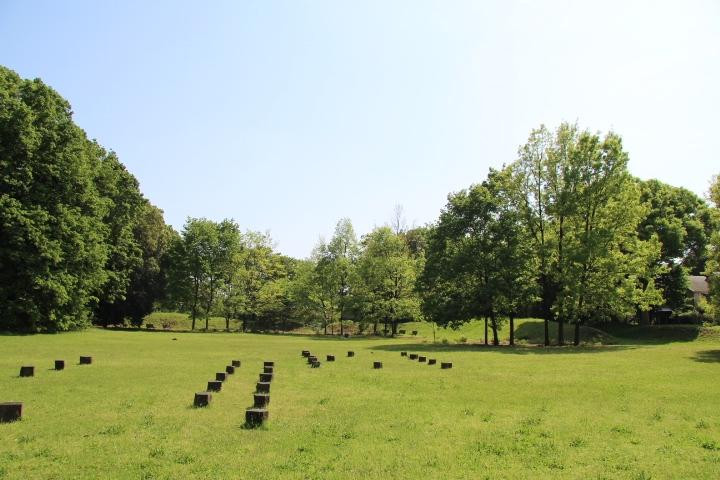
{"type": "Point", "coordinates": [351, 354]}
{"type": "Point", "coordinates": [261, 400]}
{"type": "Point", "coordinates": [262, 387]}
{"type": "Point", "coordinates": [315, 364]}
{"type": "Point", "coordinates": [254, 417]}
{"type": "Point", "coordinates": [202, 399]}
{"type": "Point", "coordinates": [268, 364]}
{"type": "Point", "coordinates": [59, 364]}
{"type": "Point", "coordinates": [377, 365]}
{"type": "Point", "coordinates": [230, 370]}
{"type": "Point", "coordinates": [214, 386]}
{"type": "Point", "coordinates": [431, 361]}
{"type": "Point", "coordinates": [306, 353]}
{"type": "Point", "coordinates": [221, 376]}
{"type": "Point", "coordinates": [27, 371]}
{"type": "Point", "coordinates": [312, 359]}
{"type": "Point", "coordinates": [330, 358]}
{"type": "Point", "coordinates": [266, 377]}
{"type": "Point", "coordinates": [10, 411]}
{"type": "Point", "coordinates": [235, 363]}
{"type": "Point", "coordinates": [85, 360]}
{"type": "Point", "coordinates": [445, 365]}
{"type": "Point", "coordinates": [413, 356]}
{"type": "Point", "coordinates": [403, 354]}
{"type": "Point", "coordinates": [269, 369]}
{"type": "Point", "coordinates": [422, 359]}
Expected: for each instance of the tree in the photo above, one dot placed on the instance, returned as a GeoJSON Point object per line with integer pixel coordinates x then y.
{"type": "Point", "coordinates": [479, 261]}
{"type": "Point", "coordinates": [684, 223]}
{"type": "Point", "coordinates": [53, 240]}
{"type": "Point", "coordinates": [388, 273]}
{"type": "Point", "coordinates": [712, 268]}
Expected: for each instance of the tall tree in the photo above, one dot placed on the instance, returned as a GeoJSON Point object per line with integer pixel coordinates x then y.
{"type": "Point", "coordinates": [712, 268]}
{"type": "Point", "coordinates": [53, 240]}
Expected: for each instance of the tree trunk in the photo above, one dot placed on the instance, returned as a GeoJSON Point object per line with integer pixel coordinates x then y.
{"type": "Point", "coordinates": [486, 331]}
{"type": "Point", "coordinates": [493, 324]}
{"type": "Point", "coordinates": [375, 327]}
{"type": "Point", "coordinates": [561, 331]}
{"type": "Point", "coordinates": [547, 331]}
{"type": "Point", "coordinates": [645, 318]}
{"type": "Point", "coordinates": [227, 323]}
{"type": "Point", "coordinates": [576, 340]}
{"type": "Point", "coordinates": [512, 329]}
{"type": "Point", "coordinates": [394, 327]}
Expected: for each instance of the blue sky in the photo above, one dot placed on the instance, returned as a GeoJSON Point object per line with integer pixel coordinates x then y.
{"type": "Point", "coordinates": [287, 116]}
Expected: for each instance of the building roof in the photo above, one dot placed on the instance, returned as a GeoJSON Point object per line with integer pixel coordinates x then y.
{"type": "Point", "coordinates": [698, 284]}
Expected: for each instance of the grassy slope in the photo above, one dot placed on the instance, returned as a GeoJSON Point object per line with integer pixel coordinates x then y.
{"type": "Point", "coordinates": [600, 412]}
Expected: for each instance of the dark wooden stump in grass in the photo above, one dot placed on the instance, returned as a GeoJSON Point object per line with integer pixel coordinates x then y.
{"type": "Point", "coordinates": [59, 364]}
{"type": "Point", "coordinates": [413, 356]}
{"type": "Point", "coordinates": [229, 369]}
{"type": "Point", "coordinates": [266, 377]}
{"type": "Point", "coordinates": [414, 332]}
{"type": "Point", "coordinates": [262, 387]}
{"type": "Point", "coordinates": [202, 399]}
{"type": "Point", "coordinates": [330, 358]}
{"type": "Point", "coordinates": [445, 365]}
{"type": "Point", "coordinates": [10, 411]}
{"type": "Point", "coordinates": [422, 359]}
{"type": "Point", "coordinates": [432, 361]}
{"type": "Point", "coordinates": [221, 376]}
{"type": "Point", "coordinates": [403, 354]}
{"type": "Point", "coordinates": [85, 360]}
{"type": "Point", "coordinates": [236, 363]}
{"type": "Point", "coordinates": [268, 369]}
{"type": "Point", "coordinates": [312, 359]}
{"type": "Point", "coordinates": [306, 353]}
{"type": "Point", "coordinates": [268, 364]}
{"type": "Point", "coordinates": [261, 400]}
{"type": "Point", "coordinates": [254, 417]}
{"type": "Point", "coordinates": [27, 371]}
{"type": "Point", "coordinates": [315, 364]}
{"type": "Point", "coordinates": [351, 353]}
{"type": "Point", "coordinates": [377, 365]}
{"type": "Point", "coordinates": [214, 386]}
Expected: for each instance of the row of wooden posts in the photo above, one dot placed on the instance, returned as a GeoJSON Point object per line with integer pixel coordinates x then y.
{"type": "Point", "coordinates": [423, 359]}
{"type": "Point", "coordinates": [12, 411]}
{"type": "Point", "coordinates": [258, 413]}
{"type": "Point", "coordinates": [203, 399]}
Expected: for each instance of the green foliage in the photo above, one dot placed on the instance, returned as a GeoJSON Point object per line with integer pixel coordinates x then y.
{"type": "Point", "coordinates": [713, 263]}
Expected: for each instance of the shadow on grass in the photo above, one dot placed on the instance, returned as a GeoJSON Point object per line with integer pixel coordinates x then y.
{"type": "Point", "coordinates": [707, 356]}
{"type": "Point", "coordinates": [507, 349]}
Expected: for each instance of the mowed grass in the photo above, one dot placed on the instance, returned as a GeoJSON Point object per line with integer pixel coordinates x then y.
{"type": "Point", "coordinates": [627, 411]}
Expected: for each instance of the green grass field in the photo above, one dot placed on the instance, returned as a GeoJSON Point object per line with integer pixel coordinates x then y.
{"type": "Point", "coordinates": [638, 411]}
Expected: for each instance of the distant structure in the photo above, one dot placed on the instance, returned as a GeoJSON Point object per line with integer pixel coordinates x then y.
{"type": "Point", "coordinates": [698, 286]}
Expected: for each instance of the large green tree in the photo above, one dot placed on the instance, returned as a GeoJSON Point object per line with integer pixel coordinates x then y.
{"type": "Point", "coordinates": [712, 268]}
{"type": "Point", "coordinates": [53, 237]}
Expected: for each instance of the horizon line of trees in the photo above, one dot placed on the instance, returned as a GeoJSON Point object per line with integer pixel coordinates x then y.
{"type": "Point", "coordinates": [564, 233]}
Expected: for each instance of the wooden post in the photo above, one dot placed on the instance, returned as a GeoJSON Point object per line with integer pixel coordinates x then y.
{"type": "Point", "coordinates": [445, 365]}
{"type": "Point", "coordinates": [261, 400]}
{"type": "Point", "coordinates": [229, 369]}
{"type": "Point", "coordinates": [351, 353]}
{"type": "Point", "coordinates": [377, 365]}
{"type": "Point", "coordinates": [236, 363]}
{"type": "Point", "coordinates": [413, 356]}
{"type": "Point", "coordinates": [306, 353]}
{"type": "Point", "coordinates": [27, 371]}
{"type": "Point", "coordinates": [268, 369]}
{"type": "Point", "coordinates": [202, 399]}
{"type": "Point", "coordinates": [330, 358]}
{"type": "Point", "coordinates": [85, 360]}
{"type": "Point", "coordinates": [262, 387]}
{"type": "Point", "coordinates": [254, 417]}
{"type": "Point", "coordinates": [422, 359]}
{"type": "Point", "coordinates": [59, 364]}
{"type": "Point", "coordinates": [431, 361]}
{"type": "Point", "coordinates": [214, 386]}
{"type": "Point", "coordinates": [221, 376]}
{"type": "Point", "coordinates": [266, 377]}
{"type": "Point", "coordinates": [403, 354]}
{"type": "Point", "coordinates": [268, 364]}
{"type": "Point", "coordinates": [312, 359]}
{"type": "Point", "coordinates": [315, 364]}
{"type": "Point", "coordinates": [10, 411]}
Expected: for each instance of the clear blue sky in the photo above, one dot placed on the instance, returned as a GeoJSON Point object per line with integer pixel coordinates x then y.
{"type": "Point", "coordinates": [290, 115]}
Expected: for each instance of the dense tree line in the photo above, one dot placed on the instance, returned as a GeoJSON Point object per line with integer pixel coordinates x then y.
{"type": "Point", "coordinates": [564, 232]}
{"type": "Point", "coordinates": [77, 239]}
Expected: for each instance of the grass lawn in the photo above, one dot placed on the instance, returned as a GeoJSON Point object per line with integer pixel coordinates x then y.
{"type": "Point", "coordinates": [650, 410]}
